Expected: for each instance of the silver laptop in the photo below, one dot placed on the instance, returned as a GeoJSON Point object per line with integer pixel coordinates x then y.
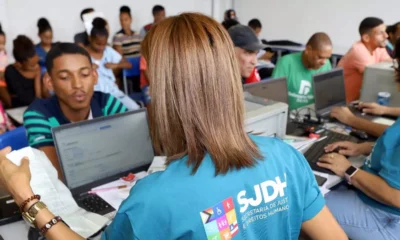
{"type": "Point", "coordinates": [96, 152]}
{"type": "Point", "coordinates": [380, 78]}
{"type": "Point", "coordinates": [273, 89]}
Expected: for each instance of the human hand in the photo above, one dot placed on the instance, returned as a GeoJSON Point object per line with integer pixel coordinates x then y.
{"type": "Point", "coordinates": [347, 148]}
{"type": "Point", "coordinates": [16, 179]}
{"type": "Point", "coordinates": [335, 162]}
{"type": "Point", "coordinates": [372, 108]}
{"type": "Point", "coordinates": [343, 115]}
{"type": "Point", "coordinates": [111, 66]}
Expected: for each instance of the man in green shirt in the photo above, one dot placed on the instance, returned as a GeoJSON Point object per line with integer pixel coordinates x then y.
{"type": "Point", "coordinates": [299, 68]}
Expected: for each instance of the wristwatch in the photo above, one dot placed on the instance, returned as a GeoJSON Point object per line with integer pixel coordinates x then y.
{"type": "Point", "coordinates": [30, 215]}
{"type": "Point", "coordinates": [350, 173]}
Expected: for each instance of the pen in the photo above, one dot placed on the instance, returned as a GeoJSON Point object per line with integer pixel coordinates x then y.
{"type": "Point", "coordinates": [106, 189]}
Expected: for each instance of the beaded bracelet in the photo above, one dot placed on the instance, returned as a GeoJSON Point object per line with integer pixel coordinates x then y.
{"type": "Point", "coordinates": [23, 205]}
{"type": "Point", "coordinates": [50, 224]}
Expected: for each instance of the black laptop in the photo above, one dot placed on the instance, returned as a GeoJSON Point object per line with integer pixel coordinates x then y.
{"type": "Point", "coordinates": [329, 92]}
{"type": "Point", "coordinates": [95, 152]}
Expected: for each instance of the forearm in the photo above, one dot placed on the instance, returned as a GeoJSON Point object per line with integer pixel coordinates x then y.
{"type": "Point", "coordinates": [373, 129]}
{"type": "Point", "coordinates": [392, 111]}
{"type": "Point", "coordinates": [376, 188]}
{"type": "Point", "coordinates": [124, 65]}
{"type": "Point", "coordinates": [38, 86]}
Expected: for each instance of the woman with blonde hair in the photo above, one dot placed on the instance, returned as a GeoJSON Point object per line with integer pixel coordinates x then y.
{"type": "Point", "coordinates": [220, 182]}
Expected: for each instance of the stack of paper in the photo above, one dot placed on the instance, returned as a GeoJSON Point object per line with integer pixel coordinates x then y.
{"type": "Point", "coordinates": [157, 165]}
{"type": "Point", "coordinates": [56, 195]}
{"type": "Point", "coordinates": [299, 143]}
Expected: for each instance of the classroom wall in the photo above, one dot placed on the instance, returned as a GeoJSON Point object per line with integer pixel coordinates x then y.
{"type": "Point", "coordinates": [20, 16]}
{"type": "Point", "coordinates": [299, 19]}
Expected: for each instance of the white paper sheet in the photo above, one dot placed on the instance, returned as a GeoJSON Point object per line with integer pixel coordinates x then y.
{"type": "Point", "coordinates": [56, 195]}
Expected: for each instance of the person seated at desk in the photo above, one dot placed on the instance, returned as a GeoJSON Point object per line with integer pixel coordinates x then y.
{"type": "Point", "coordinates": [82, 38]}
{"type": "Point", "coordinates": [299, 68]}
{"type": "Point", "coordinates": [247, 46]}
{"type": "Point", "coordinates": [369, 50]}
{"type": "Point", "coordinates": [107, 60]}
{"type": "Point", "coordinates": [23, 78]}
{"type": "Point", "coordinates": [345, 116]}
{"type": "Point", "coordinates": [372, 210]}
{"type": "Point", "coordinates": [46, 40]}
{"type": "Point", "coordinates": [220, 182]}
{"type": "Point", "coordinates": [4, 95]}
{"type": "Point", "coordinates": [72, 78]}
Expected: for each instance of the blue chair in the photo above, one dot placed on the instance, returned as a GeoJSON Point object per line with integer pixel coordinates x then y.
{"type": "Point", "coordinates": [16, 139]}
{"type": "Point", "coordinates": [133, 72]}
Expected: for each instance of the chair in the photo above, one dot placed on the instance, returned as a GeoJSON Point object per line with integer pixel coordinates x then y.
{"type": "Point", "coordinates": [16, 139]}
{"type": "Point", "coordinates": [133, 72]}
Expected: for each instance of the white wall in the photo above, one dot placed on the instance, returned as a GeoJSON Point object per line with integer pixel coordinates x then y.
{"type": "Point", "coordinates": [20, 16]}
{"type": "Point", "coordinates": [299, 19]}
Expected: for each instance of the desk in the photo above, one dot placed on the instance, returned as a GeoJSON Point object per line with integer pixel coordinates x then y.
{"type": "Point", "coordinates": [17, 114]}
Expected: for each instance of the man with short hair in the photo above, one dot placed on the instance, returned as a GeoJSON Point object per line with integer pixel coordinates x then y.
{"type": "Point", "coordinates": [299, 68]}
{"type": "Point", "coordinates": [71, 75]}
{"type": "Point", "coordinates": [255, 24]}
{"type": "Point", "coordinates": [247, 46]}
{"type": "Point", "coordinates": [158, 14]}
{"type": "Point", "coordinates": [82, 38]}
{"type": "Point", "coordinates": [369, 50]}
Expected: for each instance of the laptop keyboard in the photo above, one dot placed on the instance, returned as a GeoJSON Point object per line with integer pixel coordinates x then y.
{"type": "Point", "coordinates": [96, 204]}
{"type": "Point", "coordinates": [318, 149]}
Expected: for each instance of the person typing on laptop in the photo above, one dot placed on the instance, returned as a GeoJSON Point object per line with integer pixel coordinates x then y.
{"type": "Point", "coordinates": [299, 68]}
{"type": "Point", "coordinates": [72, 78]}
{"type": "Point", "coordinates": [372, 211]}
{"type": "Point", "coordinates": [345, 116]}
{"type": "Point", "coordinates": [220, 182]}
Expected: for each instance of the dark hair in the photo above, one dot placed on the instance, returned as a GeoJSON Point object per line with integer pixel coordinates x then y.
{"type": "Point", "coordinates": [390, 29]}
{"type": "Point", "coordinates": [23, 49]}
{"type": "Point", "coordinates": [255, 23]}
{"type": "Point", "coordinates": [99, 28]}
{"type": "Point", "coordinates": [319, 40]}
{"type": "Point", "coordinates": [63, 48]}
{"type": "Point", "coordinates": [43, 25]}
{"type": "Point", "coordinates": [157, 9]}
{"type": "Point", "coordinates": [230, 23]}
{"type": "Point", "coordinates": [368, 24]}
{"type": "Point", "coordinates": [85, 11]}
{"type": "Point", "coordinates": [1, 31]}
{"type": "Point", "coordinates": [125, 9]}
{"type": "Point", "coordinates": [227, 15]}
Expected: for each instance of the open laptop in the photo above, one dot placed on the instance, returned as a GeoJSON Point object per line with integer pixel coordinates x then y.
{"type": "Point", "coordinates": [96, 152]}
{"type": "Point", "coordinates": [329, 92]}
{"type": "Point", "coordinates": [273, 89]}
{"type": "Point", "coordinates": [380, 77]}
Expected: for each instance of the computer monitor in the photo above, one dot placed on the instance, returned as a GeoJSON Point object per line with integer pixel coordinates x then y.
{"type": "Point", "coordinates": [103, 149]}
{"type": "Point", "coordinates": [380, 78]}
{"type": "Point", "coordinates": [329, 91]}
{"type": "Point", "coordinates": [274, 89]}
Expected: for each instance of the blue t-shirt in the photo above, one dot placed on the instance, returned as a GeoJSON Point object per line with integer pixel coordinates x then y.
{"type": "Point", "coordinates": [44, 114]}
{"type": "Point", "coordinates": [268, 201]}
{"type": "Point", "coordinates": [384, 161]}
{"type": "Point", "coordinates": [106, 82]}
{"type": "Point", "coordinates": [41, 54]}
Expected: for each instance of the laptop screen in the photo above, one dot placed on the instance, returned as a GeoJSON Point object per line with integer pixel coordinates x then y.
{"type": "Point", "coordinates": [93, 150]}
{"type": "Point", "coordinates": [329, 89]}
{"type": "Point", "coordinates": [274, 89]}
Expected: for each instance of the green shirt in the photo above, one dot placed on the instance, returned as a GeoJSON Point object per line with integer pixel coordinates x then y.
{"type": "Point", "coordinates": [299, 79]}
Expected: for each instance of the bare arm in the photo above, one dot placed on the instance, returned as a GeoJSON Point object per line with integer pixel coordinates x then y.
{"type": "Point", "coordinates": [124, 64]}
{"type": "Point", "coordinates": [323, 226]}
{"type": "Point", "coordinates": [392, 111]}
{"type": "Point", "coordinates": [376, 188]}
{"type": "Point", "coordinates": [5, 97]}
{"type": "Point", "coordinates": [373, 129]}
{"type": "Point", "coordinates": [38, 84]}
{"type": "Point", "coordinates": [51, 153]}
